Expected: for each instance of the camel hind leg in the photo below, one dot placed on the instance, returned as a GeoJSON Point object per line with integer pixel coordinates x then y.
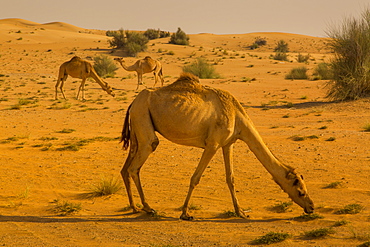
{"type": "Point", "coordinates": [143, 142]}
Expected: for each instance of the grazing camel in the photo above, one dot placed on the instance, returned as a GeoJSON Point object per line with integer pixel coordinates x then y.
{"type": "Point", "coordinates": [82, 69]}
{"type": "Point", "coordinates": [188, 113]}
{"type": "Point", "coordinates": [143, 66]}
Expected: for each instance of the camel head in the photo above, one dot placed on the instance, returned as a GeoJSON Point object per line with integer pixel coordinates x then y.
{"type": "Point", "coordinates": [119, 59]}
{"type": "Point", "coordinates": [297, 191]}
{"type": "Point", "coordinates": [109, 90]}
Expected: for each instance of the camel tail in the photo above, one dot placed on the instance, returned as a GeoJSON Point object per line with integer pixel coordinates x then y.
{"type": "Point", "coordinates": [125, 137]}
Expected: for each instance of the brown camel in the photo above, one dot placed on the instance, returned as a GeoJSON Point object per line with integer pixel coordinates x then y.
{"type": "Point", "coordinates": [143, 66]}
{"type": "Point", "coordinates": [188, 113]}
{"type": "Point", "coordinates": [82, 69]}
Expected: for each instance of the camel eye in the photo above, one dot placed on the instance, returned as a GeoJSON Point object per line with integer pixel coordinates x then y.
{"type": "Point", "coordinates": [301, 193]}
{"type": "Point", "coordinates": [296, 182]}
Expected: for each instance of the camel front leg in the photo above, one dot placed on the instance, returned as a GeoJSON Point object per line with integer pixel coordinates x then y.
{"type": "Point", "coordinates": [207, 155]}
{"type": "Point", "coordinates": [61, 83]}
{"type": "Point", "coordinates": [82, 88]}
{"type": "Point", "coordinates": [228, 159]}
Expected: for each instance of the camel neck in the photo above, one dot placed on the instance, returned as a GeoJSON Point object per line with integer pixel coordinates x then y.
{"type": "Point", "coordinates": [254, 141]}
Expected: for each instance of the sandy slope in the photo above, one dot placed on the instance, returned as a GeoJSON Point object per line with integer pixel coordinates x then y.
{"type": "Point", "coordinates": [32, 180]}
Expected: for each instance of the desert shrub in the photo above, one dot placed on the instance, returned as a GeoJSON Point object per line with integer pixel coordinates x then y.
{"type": "Point", "coordinates": [130, 42]}
{"type": "Point", "coordinates": [281, 56]}
{"type": "Point", "coordinates": [350, 43]}
{"type": "Point", "coordinates": [104, 66]}
{"type": "Point", "coordinates": [350, 209]}
{"type": "Point", "coordinates": [156, 34]}
{"type": "Point", "coordinates": [303, 58]}
{"type": "Point", "coordinates": [281, 46]}
{"type": "Point", "coordinates": [257, 43]}
{"type": "Point", "coordinates": [66, 208]}
{"type": "Point", "coordinates": [201, 68]}
{"type": "Point", "coordinates": [179, 38]}
{"type": "Point", "coordinates": [319, 233]}
{"type": "Point", "coordinates": [299, 73]}
{"type": "Point", "coordinates": [271, 238]}
{"type": "Point", "coordinates": [282, 207]}
{"type": "Point", "coordinates": [366, 127]}
{"type": "Point", "coordinates": [323, 71]}
{"type": "Point", "coordinates": [104, 188]}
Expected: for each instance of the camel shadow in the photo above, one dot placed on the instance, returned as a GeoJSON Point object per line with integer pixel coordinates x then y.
{"type": "Point", "coordinates": [124, 218]}
{"type": "Point", "coordinates": [303, 105]}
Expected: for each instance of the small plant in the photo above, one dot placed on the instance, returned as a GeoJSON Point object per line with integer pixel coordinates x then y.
{"type": "Point", "coordinates": [366, 127]}
{"type": "Point", "coordinates": [299, 73]}
{"type": "Point", "coordinates": [319, 233]}
{"type": "Point", "coordinates": [66, 131]}
{"type": "Point", "coordinates": [350, 209]}
{"type": "Point", "coordinates": [281, 46]}
{"type": "Point", "coordinates": [105, 66]}
{"type": "Point", "coordinates": [308, 217]}
{"type": "Point", "coordinates": [334, 185]}
{"type": "Point", "coordinates": [366, 244]}
{"type": "Point", "coordinates": [323, 72]}
{"type": "Point", "coordinates": [66, 208]}
{"type": "Point", "coordinates": [340, 223]}
{"type": "Point", "coordinates": [271, 238]}
{"type": "Point", "coordinates": [281, 56]}
{"type": "Point", "coordinates": [230, 214]}
{"type": "Point", "coordinates": [179, 38]}
{"type": "Point", "coordinates": [282, 207]}
{"type": "Point", "coordinates": [202, 69]}
{"type": "Point", "coordinates": [303, 59]}
{"type": "Point", "coordinates": [330, 139]}
{"type": "Point", "coordinates": [104, 188]}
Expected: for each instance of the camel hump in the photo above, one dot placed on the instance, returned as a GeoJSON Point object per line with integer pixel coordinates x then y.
{"type": "Point", "coordinates": [148, 57]}
{"type": "Point", "coordinates": [75, 58]}
{"type": "Point", "coordinates": [188, 77]}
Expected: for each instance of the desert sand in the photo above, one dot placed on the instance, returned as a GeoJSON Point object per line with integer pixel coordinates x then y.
{"type": "Point", "coordinates": [37, 171]}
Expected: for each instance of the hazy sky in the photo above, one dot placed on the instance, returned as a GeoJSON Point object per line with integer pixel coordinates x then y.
{"type": "Point", "coordinates": [309, 17]}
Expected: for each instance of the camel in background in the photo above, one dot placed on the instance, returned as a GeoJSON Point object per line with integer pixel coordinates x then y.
{"type": "Point", "coordinates": [82, 69]}
{"type": "Point", "coordinates": [143, 66]}
{"type": "Point", "coordinates": [190, 114]}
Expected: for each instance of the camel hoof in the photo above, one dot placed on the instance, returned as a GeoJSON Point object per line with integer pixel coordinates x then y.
{"type": "Point", "coordinates": [187, 217]}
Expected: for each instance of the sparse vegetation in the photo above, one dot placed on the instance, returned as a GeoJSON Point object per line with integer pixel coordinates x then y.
{"type": "Point", "coordinates": [366, 127]}
{"type": "Point", "coordinates": [65, 208]}
{"type": "Point", "coordinates": [156, 34]}
{"type": "Point", "coordinates": [308, 217]}
{"type": "Point", "coordinates": [201, 68]}
{"type": "Point", "coordinates": [334, 185]}
{"type": "Point", "coordinates": [351, 46]}
{"type": "Point", "coordinates": [271, 238]}
{"type": "Point", "coordinates": [350, 209]}
{"type": "Point", "coordinates": [282, 207]}
{"type": "Point", "coordinates": [104, 188]}
{"type": "Point", "coordinates": [319, 233]}
{"type": "Point", "coordinates": [303, 58]}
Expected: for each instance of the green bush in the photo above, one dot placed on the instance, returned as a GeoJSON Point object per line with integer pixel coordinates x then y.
{"type": "Point", "coordinates": [202, 69]}
{"type": "Point", "coordinates": [281, 56]}
{"type": "Point", "coordinates": [281, 46]}
{"type": "Point", "coordinates": [179, 38]}
{"type": "Point", "coordinates": [131, 42]}
{"type": "Point", "coordinates": [323, 72]}
{"type": "Point", "coordinates": [351, 63]}
{"type": "Point", "coordinates": [156, 34]}
{"type": "Point", "coordinates": [299, 73]}
{"type": "Point", "coordinates": [105, 66]}
{"type": "Point", "coordinates": [303, 58]}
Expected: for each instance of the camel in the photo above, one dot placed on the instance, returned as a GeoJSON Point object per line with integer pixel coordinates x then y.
{"type": "Point", "coordinates": [143, 66]}
{"type": "Point", "coordinates": [187, 113]}
{"type": "Point", "coordinates": [82, 69]}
